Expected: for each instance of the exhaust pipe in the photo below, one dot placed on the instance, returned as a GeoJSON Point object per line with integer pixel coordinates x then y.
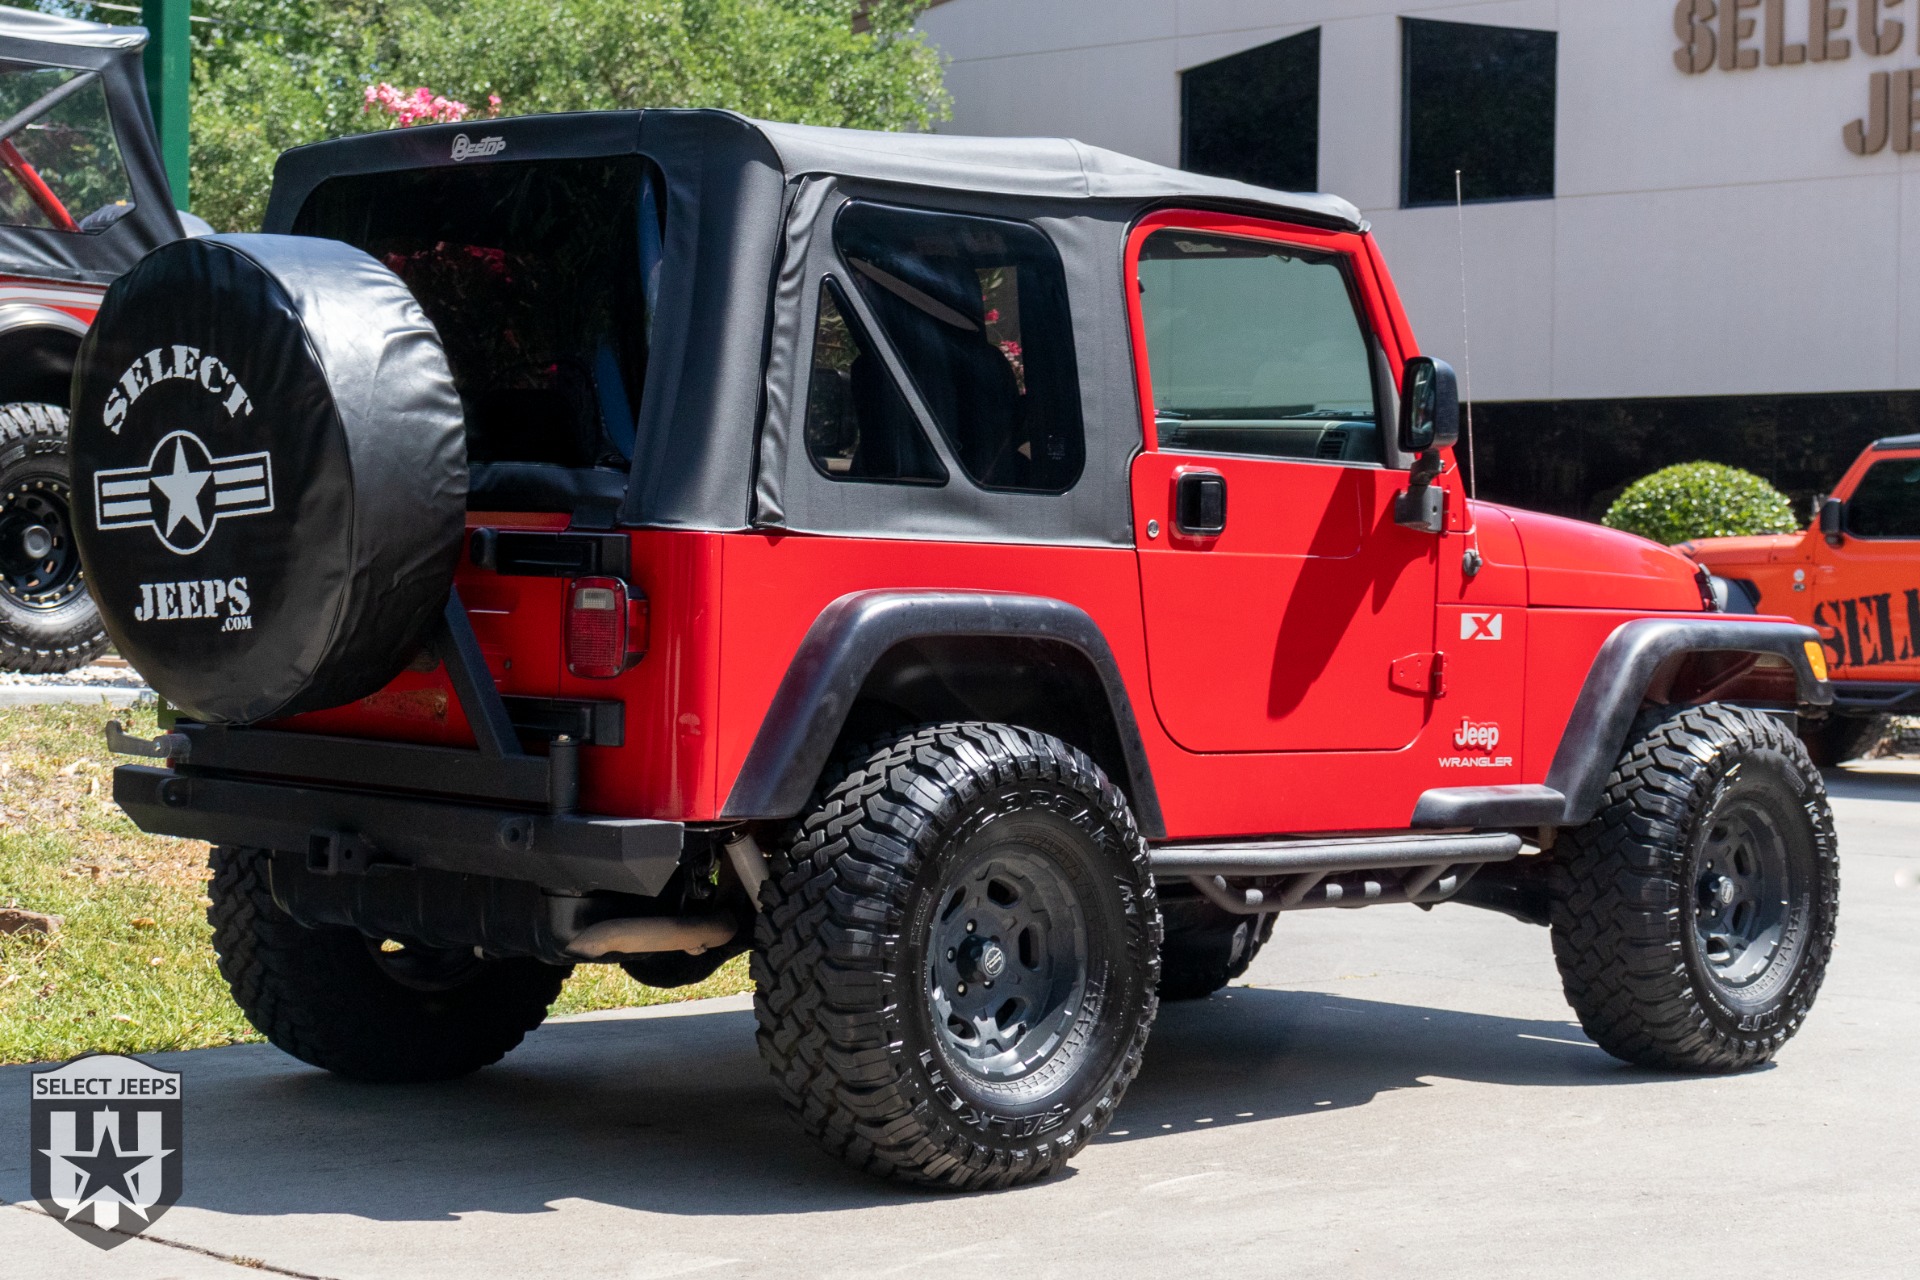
{"type": "Point", "coordinates": [641, 935]}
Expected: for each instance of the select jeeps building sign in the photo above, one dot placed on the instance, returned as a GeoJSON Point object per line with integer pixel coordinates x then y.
{"type": "Point", "coordinates": [1741, 35]}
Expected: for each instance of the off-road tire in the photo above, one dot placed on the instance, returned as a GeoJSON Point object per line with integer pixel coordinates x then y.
{"type": "Point", "coordinates": [1206, 948]}
{"type": "Point", "coordinates": [320, 995]}
{"type": "Point", "coordinates": [847, 966]}
{"type": "Point", "coordinates": [1633, 890]}
{"type": "Point", "coordinates": [61, 629]}
{"type": "Point", "coordinates": [1838, 739]}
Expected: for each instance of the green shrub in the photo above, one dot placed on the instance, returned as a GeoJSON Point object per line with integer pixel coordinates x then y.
{"type": "Point", "coordinates": [1701, 500]}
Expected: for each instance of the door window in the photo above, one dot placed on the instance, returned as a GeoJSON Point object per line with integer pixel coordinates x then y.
{"type": "Point", "coordinates": [976, 308]}
{"type": "Point", "coordinates": [1255, 348]}
{"type": "Point", "coordinates": [61, 170]}
{"type": "Point", "coordinates": [1887, 503]}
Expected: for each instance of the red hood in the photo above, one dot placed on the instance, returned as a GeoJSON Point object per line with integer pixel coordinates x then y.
{"type": "Point", "coordinates": [1716, 553]}
{"type": "Point", "coordinates": [1573, 564]}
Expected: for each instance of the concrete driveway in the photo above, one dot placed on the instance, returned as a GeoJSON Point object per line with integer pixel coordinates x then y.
{"type": "Point", "coordinates": [1396, 1093]}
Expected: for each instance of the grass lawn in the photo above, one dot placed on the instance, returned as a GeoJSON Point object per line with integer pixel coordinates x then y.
{"type": "Point", "coordinates": [132, 969]}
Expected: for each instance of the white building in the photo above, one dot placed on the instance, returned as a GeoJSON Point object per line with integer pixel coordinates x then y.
{"type": "Point", "coordinates": [1717, 265]}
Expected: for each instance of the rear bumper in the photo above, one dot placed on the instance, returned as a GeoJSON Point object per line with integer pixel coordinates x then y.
{"type": "Point", "coordinates": [355, 831]}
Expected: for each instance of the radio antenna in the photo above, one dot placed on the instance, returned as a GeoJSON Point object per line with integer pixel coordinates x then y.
{"type": "Point", "coordinates": [1466, 333]}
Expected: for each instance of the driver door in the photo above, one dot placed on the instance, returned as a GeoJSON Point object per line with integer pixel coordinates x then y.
{"type": "Point", "coordinates": [1285, 610]}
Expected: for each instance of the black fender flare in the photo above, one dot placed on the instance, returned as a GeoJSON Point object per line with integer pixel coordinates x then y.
{"type": "Point", "coordinates": [37, 348]}
{"type": "Point", "coordinates": [851, 635]}
{"type": "Point", "coordinates": [1603, 716]}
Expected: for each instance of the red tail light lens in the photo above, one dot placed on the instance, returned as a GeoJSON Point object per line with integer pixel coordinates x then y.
{"type": "Point", "coordinates": [606, 627]}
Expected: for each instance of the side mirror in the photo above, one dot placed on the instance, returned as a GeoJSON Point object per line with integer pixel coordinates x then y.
{"type": "Point", "coordinates": [1429, 406]}
{"type": "Point", "coordinates": [1833, 518]}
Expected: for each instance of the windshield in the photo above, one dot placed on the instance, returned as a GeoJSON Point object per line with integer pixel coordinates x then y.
{"type": "Point", "coordinates": [60, 165]}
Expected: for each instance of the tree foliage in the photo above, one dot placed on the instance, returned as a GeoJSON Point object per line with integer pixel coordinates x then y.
{"type": "Point", "coordinates": [272, 74]}
{"type": "Point", "coordinates": [1701, 500]}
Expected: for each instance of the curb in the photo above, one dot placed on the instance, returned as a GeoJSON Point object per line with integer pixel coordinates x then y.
{"type": "Point", "coordinates": [30, 695]}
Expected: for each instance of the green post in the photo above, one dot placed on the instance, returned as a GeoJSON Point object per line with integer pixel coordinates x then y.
{"type": "Point", "coordinates": [168, 62]}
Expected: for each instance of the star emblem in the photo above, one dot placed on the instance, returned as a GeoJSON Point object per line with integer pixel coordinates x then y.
{"type": "Point", "coordinates": [107, 1171]}
{"type": "Point", "coordinates": [182, 488]}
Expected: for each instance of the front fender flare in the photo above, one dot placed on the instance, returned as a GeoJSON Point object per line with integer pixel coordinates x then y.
{"type": "Point", "coordinates": [851, 635]}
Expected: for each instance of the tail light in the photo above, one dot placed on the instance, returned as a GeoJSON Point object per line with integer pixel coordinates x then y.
{"type": "Point", "coordinates": [606, 627]}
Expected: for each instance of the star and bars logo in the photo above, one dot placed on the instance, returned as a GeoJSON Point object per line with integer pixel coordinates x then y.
{"type": "Point", "coordinates": [105, 1157]}
{"type": "Point", "coordinates": [183, 492]}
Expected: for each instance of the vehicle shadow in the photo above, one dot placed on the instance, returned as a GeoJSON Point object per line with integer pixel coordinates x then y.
{"type": "Point", "coordinates": [677, 1115]}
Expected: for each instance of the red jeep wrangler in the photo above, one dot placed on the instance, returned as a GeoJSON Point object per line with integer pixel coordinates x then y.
{"type": "Point", "coordinates": [990, 580]}
{"type": "Point", "coordinates": [83, 196]}
{"type": "Point", "coordinates": [1855, 577]}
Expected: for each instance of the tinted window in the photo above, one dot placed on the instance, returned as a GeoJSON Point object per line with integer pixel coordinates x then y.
{"type": "Point", "coordinates": [1255, 116]}
{"type": "Point", "coordinates": [858, 424]}
{"type": "Point", "coordinates": [1255, 348]}
{"type": "Point", "coordinates": [977, 310]}
{"type": "Point", "coordinates": [1887, 503]}
{"type": "Point", "coordinates": [62, 172]}
{"type": "Point", "coordinates": [539, 277]}
{"type": "Point", "coordinates": [1479, 100]}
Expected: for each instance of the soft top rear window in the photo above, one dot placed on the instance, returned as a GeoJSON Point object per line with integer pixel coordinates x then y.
{"type": "Point", "coordinates": [539, 276]}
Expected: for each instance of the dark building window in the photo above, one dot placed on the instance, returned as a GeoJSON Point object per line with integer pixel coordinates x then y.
{"type": "Point", "coordinates": [1573, 457]}
{"type": "Point", "coordinates": [1479, 100]}
{"type": "Point", "coordinates": [1256, 115]}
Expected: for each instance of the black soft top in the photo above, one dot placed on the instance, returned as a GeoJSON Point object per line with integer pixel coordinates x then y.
{"type": "Point", "coordinates": [749, 211]}
{"type": "Point", "coordinates": [112, 53]}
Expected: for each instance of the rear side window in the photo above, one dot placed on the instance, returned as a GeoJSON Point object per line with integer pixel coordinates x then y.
{"type": "Point", "coordinates": [539, 277]}
{"type": "Point", "coordinates": [1255, 348]}
{"type": "Point", "coordinates": [977, 310]}
{"type": "Point", "coordinates": [60, 169]}
{"type": "Point", "coordinates": [1887, 503]}
{"type": "Point", "coordinates": [859, 426]}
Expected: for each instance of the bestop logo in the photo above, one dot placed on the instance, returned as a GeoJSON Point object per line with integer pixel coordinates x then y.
{"type": "Point", "coordinates": [105, 1155]}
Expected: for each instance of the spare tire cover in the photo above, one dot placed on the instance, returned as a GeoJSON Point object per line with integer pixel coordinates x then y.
{"type": "Point", "coordinates": [270, 473]}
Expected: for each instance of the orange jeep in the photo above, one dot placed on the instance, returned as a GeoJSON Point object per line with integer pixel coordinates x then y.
{"type": "Point", "coordinates": [1855, 576]}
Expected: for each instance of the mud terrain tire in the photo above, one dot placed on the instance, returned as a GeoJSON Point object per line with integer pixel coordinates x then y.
{"type": "Point", "coordinates": [48, 622]}
{"type": "Point", "coordinates": [1206, 948]}
{"type": "Point", "coordinates": [270, 473]}
{"type": "Point", "coordinates": [1693, 918]}
{"type": "Point", "coordinates": [863, 957]}
{"type": "Point", "coordinates": [332, 998]}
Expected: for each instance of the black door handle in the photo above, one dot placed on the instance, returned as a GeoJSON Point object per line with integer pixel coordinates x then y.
{"type": "Point", "coordinates": [1200, 504]}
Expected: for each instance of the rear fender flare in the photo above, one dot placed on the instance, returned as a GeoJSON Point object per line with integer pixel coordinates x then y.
{"type": "Point", "coordinates": [851, 636]}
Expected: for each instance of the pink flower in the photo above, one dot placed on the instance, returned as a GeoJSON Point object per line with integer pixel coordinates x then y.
{"type": "Point", "coordinates": [422, 105]}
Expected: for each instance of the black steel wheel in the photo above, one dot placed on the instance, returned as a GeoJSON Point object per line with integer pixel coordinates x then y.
{"type": "Point", "coordinates": [362, 1007]}
{"type": "Point", "coordinates": [48, 622]}
{"type": "Point", "coordinates": [956, 963]}
{"type": "Point", "coordinates": [1694, 916]}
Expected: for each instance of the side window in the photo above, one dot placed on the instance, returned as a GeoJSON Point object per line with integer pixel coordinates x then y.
{"type": "Point", "coordinates": [977, 309]}
{"type": "Point", "coordinates": [1255, 348]}
{"type": "Point", "coordinates": [1887, 503]}
{"type": "Point", "coordinates": [858, 424]}
{"type": "Point", "coordinates": [61, 169]}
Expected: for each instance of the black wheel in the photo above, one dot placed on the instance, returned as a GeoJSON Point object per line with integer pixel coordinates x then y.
{"type": "Point", "coordinates": [360, 1007]}
{"type": "Point", "coordinates": [955, 969]}
{"type": "Point", "coordinates": [1693, 918]}
{"type": "Point", "coordinates": [1206, 948]}
{"type": "Point", "coordinates": [47, 620]}
{"type": "Point", "coordinates": [1838, 739]}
